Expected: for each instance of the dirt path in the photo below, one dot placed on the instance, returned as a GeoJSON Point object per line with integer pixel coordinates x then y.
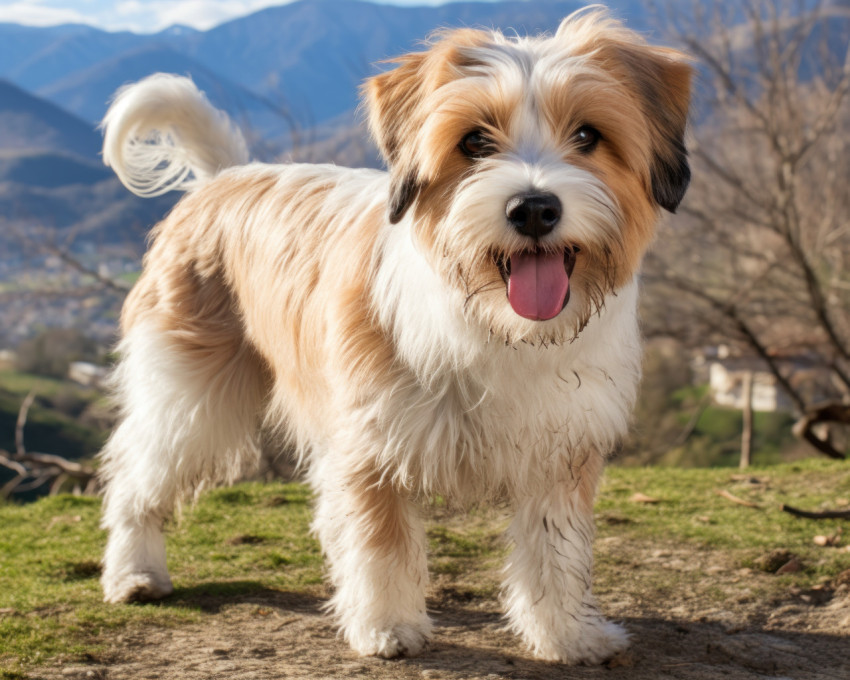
{"type": "Point", "coordinates": [688, 636]}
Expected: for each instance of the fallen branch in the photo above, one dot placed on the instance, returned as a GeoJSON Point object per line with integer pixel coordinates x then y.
{"type": "Point", "coordinates": [824, 514]}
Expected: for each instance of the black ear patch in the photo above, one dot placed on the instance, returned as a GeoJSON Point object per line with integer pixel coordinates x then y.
{"type": "Point", "coordinates": [670, 176]}
{"type": "Point", "coordinates": [403, 191]}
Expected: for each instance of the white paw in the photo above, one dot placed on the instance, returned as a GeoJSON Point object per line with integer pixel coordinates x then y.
{"type": "Point", "coordinates": [591, 644]}
{"type": "Point", "coordinates": [403, 639]}
{"type": "Point", "coordinates": [139, 586]}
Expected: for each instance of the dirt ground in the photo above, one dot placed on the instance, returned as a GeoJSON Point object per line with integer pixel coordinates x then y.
{"type": "Point", "coordinates": [709, 626]}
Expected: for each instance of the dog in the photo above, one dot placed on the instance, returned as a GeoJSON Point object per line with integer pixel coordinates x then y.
{"type": "Point", "coordinates": [463, 324]}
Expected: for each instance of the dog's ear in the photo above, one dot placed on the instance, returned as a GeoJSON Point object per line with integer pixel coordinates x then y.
{"type": "Point", "coordinates": [663, 81]}
{"type": "Point", "coordinates": [392, 99]}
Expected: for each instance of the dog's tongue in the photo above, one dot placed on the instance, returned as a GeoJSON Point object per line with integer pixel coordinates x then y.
{"type": "Point", "coordinates": [538, 285]}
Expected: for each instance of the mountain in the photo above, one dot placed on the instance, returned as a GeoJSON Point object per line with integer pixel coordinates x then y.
{"type": "Point", "coordinates": [95, 212]}
{"type": "Point", "coordinates": [51, 176]}
{"type": "Point", "coordinates": [36, 57]}
{"type": "Point", "coordinates": [307, 57]}
{"type": "Point", "coordinates": [312, 56]}
{"type": "Point", "coordinates": [49, 169]}
{"type": "Point", "coordinates": [28, 122]}
{"type": "Point", "coordinates": [88, 91]}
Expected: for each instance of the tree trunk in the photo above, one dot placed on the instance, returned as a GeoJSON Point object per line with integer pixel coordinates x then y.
{"type": "Point", "coordinates": [747, 434]}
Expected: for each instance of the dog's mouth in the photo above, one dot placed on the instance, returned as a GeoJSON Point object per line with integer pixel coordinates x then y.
{"type": "Point", "coordinates": [538, 281]}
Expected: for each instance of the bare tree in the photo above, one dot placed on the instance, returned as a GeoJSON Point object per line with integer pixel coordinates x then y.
{"type": "Point", "coordinates": [758, 256]}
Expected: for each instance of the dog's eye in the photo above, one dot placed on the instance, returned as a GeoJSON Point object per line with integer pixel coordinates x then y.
{"type": "Point", "coordinates": [476, 145]}
{"type": "Point", "coordinates": [586, 138]}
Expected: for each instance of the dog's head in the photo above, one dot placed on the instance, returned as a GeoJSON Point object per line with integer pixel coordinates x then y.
{"type": "Point", "coordinates": [532, 170]}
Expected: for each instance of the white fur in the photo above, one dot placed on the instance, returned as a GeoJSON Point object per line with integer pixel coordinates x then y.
{"type": "Point", "coordinates": [175, 436]}
{"type": "Point", "coordinates": [161, 134]}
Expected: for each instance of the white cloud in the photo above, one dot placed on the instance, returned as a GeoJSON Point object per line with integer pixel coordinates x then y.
{"type": "Point", "coordinates": [143, 16]}
{"type": "Point", "coordinates": [154, 15]}
{"type": "Point", "coordinates": [38, 14]}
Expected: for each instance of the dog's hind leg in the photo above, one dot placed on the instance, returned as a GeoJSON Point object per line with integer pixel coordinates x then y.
{"type": "Point", "coordinates": [376, 548]}
{"type": "Point", "coordinates": [189, 402]}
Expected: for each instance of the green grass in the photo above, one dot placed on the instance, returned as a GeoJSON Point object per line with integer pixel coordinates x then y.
{"type": "Point", "coordinates": [691, 511]}
{"type": "Point", "coordinates": [245, 539]}
{"type": "Point", "coordinates": [254, 538]}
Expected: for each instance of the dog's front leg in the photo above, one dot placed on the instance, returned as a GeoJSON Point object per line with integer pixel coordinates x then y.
{"type": "Point", "coordinates": [547, 589]}
{"type": "Point", "coordinates": [374, 541]}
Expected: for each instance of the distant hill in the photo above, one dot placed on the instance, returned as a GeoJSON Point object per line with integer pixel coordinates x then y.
{"type": "Point", "coordinates": [51, 175]}
{"type": "Point", "coordinates": [28, 122]}
{"type": "Point", "coordinates": [48, 169]}
{"type": "Point", "coordinates": [96, 212]}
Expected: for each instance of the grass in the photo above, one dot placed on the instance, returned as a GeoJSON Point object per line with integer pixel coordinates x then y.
{"type": "Point", "coordinates": [253, 538]}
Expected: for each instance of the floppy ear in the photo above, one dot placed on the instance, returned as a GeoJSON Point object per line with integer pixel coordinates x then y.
{"type": "Point", "coordinates": [663, 81]}
{"type": "Point", "coordinates": [392, 99]}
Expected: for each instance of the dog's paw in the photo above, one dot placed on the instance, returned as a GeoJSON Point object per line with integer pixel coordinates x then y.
{"type": "Point", "coordinates": [592, 644]}
{"type": "Point", "coordinates": [400, 640]}
{"type": "Point", "coordinates": [139, 586]}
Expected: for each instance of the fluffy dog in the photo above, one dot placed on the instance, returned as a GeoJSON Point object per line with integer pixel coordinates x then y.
{"type": "Point", "coordinates": [463, 324]}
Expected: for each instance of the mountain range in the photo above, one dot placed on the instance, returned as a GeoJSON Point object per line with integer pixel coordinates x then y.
{"type": "Point", "coordinates": [306, 58]}
{"type": "Point", "coordinates": [288, 74]}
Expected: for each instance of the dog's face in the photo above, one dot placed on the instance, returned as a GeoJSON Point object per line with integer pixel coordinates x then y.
{"type": "Point", "coordinates": [533, 169]}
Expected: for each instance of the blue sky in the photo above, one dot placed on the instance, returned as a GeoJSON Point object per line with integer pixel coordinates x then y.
{"type": "Point", "coordinates": [143, 16]}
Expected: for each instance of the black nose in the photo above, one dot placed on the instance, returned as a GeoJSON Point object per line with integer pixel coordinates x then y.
{"type": "Point", "coordinates": [535, 214]}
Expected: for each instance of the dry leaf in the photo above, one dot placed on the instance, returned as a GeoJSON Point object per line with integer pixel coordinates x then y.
{"type": "Point", "coordinates": [731, 497]}
{"type": "Point", "coordinates": [792, 566]}
{"type": "Point", "coordinates": [65, 519]}
{"type": "Point", "coordinates": [643, 498]}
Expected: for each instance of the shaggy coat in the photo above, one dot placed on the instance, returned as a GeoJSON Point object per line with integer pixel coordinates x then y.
{"type": "Point", "coordinates": [403, 330]}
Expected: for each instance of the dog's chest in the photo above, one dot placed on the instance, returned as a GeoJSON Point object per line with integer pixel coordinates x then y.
{"type": "Point", "coordinates": [514, 421]}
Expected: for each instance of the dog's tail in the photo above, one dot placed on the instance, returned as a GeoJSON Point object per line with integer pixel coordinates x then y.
{"type": "Point", "coordinates": [162, 134]}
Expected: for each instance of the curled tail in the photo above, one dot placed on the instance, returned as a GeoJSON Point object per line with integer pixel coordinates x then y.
{"type": "Point", "coordinates": [162, 134]}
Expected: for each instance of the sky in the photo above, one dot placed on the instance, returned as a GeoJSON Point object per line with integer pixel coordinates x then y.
{"type": "Point", "coordinates": [141, 16]}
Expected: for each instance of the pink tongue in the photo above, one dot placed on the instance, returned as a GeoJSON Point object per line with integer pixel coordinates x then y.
{"type": "Point", "coordinates": [538, 284]}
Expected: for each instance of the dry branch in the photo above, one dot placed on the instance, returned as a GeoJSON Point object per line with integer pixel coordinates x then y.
{"type": "Point", "coordinates": [32, 470]}
{"type": "Point", "coordinates": [824, 514]}
{"type": "Point", "coordinates": [759, 258]}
